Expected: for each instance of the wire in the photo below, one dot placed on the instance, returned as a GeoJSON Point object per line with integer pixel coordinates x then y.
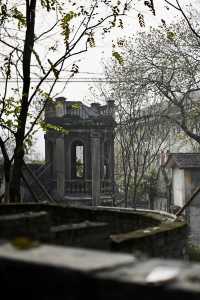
{"type": "Point", "coordinates": [78, 80]}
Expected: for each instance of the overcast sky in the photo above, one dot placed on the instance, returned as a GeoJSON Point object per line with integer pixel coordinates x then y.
{"type": "Point", "coordinates": [90, 64]}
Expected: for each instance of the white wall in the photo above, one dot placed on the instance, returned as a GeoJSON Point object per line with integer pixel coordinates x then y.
{"type": "Point", "coordinates": [178, 187]}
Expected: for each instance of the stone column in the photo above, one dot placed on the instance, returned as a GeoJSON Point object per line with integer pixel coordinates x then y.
{"type": "Point", "coordinates": [112, 166]}
{"type": "Point", "coordinates": [95, 145]}
{"type": "Point", "coordinates": [60, 165]}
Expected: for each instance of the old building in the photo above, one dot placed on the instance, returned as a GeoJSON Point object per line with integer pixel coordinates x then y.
{"type": "Point", "coordinates": [81, 154]}
{"type": "Point", "coordinates": [179, 178]}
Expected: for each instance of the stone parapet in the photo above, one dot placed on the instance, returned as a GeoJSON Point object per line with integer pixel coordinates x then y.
{"type": "Point", "coordinates": [123, 230]}
{"type": "Point", "coordinates": [49, 272]}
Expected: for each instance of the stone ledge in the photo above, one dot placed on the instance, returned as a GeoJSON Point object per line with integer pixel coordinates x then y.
{"type": "Point", "coordinates": [149, 231]}
{"type": "Point", "coordinates": [29, 224]}
{"type": "Point", "coordinates": [50, 272]}
{"type": "Point", "coordinates": [81, 260]}
{"type": "Point", "coordinates": [77, 226]}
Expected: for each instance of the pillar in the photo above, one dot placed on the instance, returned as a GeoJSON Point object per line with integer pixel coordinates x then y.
{"type": "Point", "coordinates": [95, 145]}
{"type": "Point", "coordinates": [112, 166]}
{"type": "Point", "coordinates": [60, 165]}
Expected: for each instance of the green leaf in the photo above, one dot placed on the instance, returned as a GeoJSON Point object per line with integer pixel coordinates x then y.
{"type": "Point", "coordinates": [118, 57]}
{"type": "Point", "coordinates": [16, 14]}
{"type": "Point", "coordinates": [47, 126]}
{"type": "Point", "coordinates": [9, 123]}
{"type": "Point", "coordinates": [65, 25]}
{"type": "Point", "coordinates": [50, 4]}
{"type": "Point", "coordinates": [171, 35]}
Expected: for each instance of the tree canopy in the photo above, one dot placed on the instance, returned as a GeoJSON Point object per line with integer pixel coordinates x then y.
{"type": "Point", "coordinates": [163, 65]}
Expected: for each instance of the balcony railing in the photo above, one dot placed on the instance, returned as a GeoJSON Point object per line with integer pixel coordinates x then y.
{"type": "Point", "coordinates": [77, 186]}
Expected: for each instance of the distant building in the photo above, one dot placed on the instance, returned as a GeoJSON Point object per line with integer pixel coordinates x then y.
{"type": "Point", "coordinates": [81, 154]}
{"type": "Point", "coordinates": [179, 178]}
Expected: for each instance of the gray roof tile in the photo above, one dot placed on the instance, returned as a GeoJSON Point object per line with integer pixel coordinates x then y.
{"type": "Point", "coordinates": [183, 160]}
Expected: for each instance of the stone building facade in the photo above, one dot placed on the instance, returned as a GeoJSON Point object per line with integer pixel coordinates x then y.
{"type": "Point", "coordinates": [80, 157]}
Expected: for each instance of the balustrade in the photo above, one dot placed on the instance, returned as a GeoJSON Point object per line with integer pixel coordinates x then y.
{"type": "Point", "coordinates": [77, 186]}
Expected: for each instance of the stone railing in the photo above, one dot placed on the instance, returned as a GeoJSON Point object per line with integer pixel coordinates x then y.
{"type": "Point", "coordinates": [80, 186]}
{"type": "Point", "coordinates": [107, 187]}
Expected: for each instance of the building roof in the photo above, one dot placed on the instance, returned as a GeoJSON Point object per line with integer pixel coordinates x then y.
{"type": "Point", "coordinates": [183, 160]}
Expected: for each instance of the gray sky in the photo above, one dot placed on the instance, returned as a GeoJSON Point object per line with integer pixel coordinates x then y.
{"type": "Point", "coordinates": [90, 63]}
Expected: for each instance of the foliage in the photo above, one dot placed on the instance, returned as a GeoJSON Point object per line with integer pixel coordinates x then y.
{"type": "Point", "coordinates": [118, 57]}
{"type": "Point", "coordinates": [47, 126]}
{"type": "Point", "coordinates": [156, 91]}
{"type": "Point", "coordinates": [29, 58]}
{"type": "Point", "coordinates": [65, 25]}
{"type": "Point", "coordinates": [164, 65]}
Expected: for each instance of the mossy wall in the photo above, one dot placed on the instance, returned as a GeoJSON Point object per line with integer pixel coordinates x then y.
{"type": "Point", "coordinates": [121, 230]}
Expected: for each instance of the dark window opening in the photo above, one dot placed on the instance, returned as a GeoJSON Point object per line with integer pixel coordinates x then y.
{"type": "Point", "coordinates": [78, 160]}
{"type": "Point", "coordinates": [105, 170]}
{"type": "Point", "coordinates": [106, 160]}
{"type": "Point", "coordinates": [106, 154]}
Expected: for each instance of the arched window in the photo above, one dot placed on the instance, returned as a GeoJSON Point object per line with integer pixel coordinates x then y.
{"type": "Point", "coordinates": [78, 164]}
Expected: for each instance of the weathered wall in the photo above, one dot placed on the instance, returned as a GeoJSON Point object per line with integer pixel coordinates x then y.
{"type": "Point", "coordinates": [121, 230]}
{"type": "Point", "coordinates": [194, 209]}
{"type": "Point", "coordinates": [167, 240]}
{"type": "Point", "coordinates": [35, 225]}
{"type": "Point", "coordinates": [49, 272]}
{"type": "Point", "coordinates": [178, 187]}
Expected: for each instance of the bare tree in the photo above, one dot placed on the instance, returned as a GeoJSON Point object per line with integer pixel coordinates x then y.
{"type": "Point", "coordinates": [187, 15]}
{"type": "Point", "coordinates": [157, 90]}
{"type": "Point", "coordinates": [139, 133]}
{"type": "Point", "coordinates": [164, 64]}
{"type": "Point", "coordinates": [31, 56]}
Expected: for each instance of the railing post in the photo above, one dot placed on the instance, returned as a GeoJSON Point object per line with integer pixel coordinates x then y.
{"type": "Point", "coordinates": [60, 165]}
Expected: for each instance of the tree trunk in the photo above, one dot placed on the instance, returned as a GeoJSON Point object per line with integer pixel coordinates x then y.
{"type": "Point", "coordinates": [6, 196]}
{"type": "Point", "coordinates": [7, 171]}
{"type": "Point", "coordinates": [7, 174]}
{"type": "Point", "coordinates": [15, 181]}
{"type": "Point", "coordinates": [19, 138]}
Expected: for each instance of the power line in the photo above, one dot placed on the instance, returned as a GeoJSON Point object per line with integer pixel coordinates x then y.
{"type": "Point", "coordinates": [60, 78]}
{"type": "Point", "coordinates": [64, 81]}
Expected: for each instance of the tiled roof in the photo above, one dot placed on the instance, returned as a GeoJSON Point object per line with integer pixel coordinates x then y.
{"type": "Point", "coordinates": [183, 160]}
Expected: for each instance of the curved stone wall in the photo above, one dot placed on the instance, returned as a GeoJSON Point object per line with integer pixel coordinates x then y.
{"type": "Point", "coordinates": [123, 230]}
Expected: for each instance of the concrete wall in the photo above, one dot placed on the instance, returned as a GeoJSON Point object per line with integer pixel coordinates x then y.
{"type": "Point", "coordinates": [34, 225]}
{"type": "Point", "coordinates": [194, 209]}
{"type": "Point", "coordinates": [178, 186]}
